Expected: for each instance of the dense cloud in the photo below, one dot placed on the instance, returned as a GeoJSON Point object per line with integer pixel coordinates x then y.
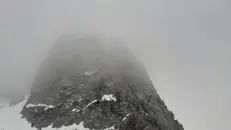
{"type": "Point", "coordinates": [184, 44]}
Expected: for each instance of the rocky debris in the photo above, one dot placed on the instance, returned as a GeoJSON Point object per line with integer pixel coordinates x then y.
{"type": "Point", "coordinates": [91, 88]}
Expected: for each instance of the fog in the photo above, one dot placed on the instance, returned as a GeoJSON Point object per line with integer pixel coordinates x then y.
{"type": "Point", "coordinates": [185, 46]}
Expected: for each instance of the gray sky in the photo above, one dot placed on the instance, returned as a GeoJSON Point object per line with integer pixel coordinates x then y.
{"type": "Point", "coordinates": [185, 45]}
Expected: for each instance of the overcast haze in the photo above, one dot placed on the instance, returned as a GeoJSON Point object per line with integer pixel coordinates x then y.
{"type": "Point", "coordinates": [185, 45]}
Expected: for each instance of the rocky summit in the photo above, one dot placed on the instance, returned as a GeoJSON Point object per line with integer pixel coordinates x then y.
{"type": "Point", "coordinates": [98, 83]}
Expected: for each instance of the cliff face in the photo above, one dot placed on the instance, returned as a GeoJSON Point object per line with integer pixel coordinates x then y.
{"type": "Point", "coordinates": [97, 83]}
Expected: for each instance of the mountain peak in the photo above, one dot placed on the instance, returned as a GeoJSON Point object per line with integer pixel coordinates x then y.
{"type": "Point", "coordinates": [96, 84]}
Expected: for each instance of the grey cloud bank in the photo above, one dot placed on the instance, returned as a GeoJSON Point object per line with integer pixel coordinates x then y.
{"type": "Point", "coordinates": [184, 44]}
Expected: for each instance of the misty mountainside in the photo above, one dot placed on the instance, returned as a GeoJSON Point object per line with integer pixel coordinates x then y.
{"type": "Point", "coordinates": [98, 83]}
{"type": "Point", "coordinates": [10, 98]}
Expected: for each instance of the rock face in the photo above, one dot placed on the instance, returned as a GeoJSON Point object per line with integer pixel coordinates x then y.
{"type": "Point", "coordinates": [95, 82]}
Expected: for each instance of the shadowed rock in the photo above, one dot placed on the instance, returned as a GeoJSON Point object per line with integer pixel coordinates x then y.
{"type": "Point", "coordinates": [97, 82]}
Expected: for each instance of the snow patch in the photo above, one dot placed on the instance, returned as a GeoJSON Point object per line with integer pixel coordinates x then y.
{"type": "Point", "coordinates": [90, 73]}
{"type": "Point", "coordinates": [75, 110]}
{"type": "Point", "coordinates": [108, 97]}
{"type": "Point", "coordinates": [110, 128]}
{"type": "Point", "coordinates": [40, 105]}
{"type": "Point", "coordinates": [125, 117]}
{"type": "Point", "coordinates": [89, 104]}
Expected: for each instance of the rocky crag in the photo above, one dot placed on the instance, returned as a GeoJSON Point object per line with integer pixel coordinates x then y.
{"type": "Point", "coordinates": [97, 83]}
